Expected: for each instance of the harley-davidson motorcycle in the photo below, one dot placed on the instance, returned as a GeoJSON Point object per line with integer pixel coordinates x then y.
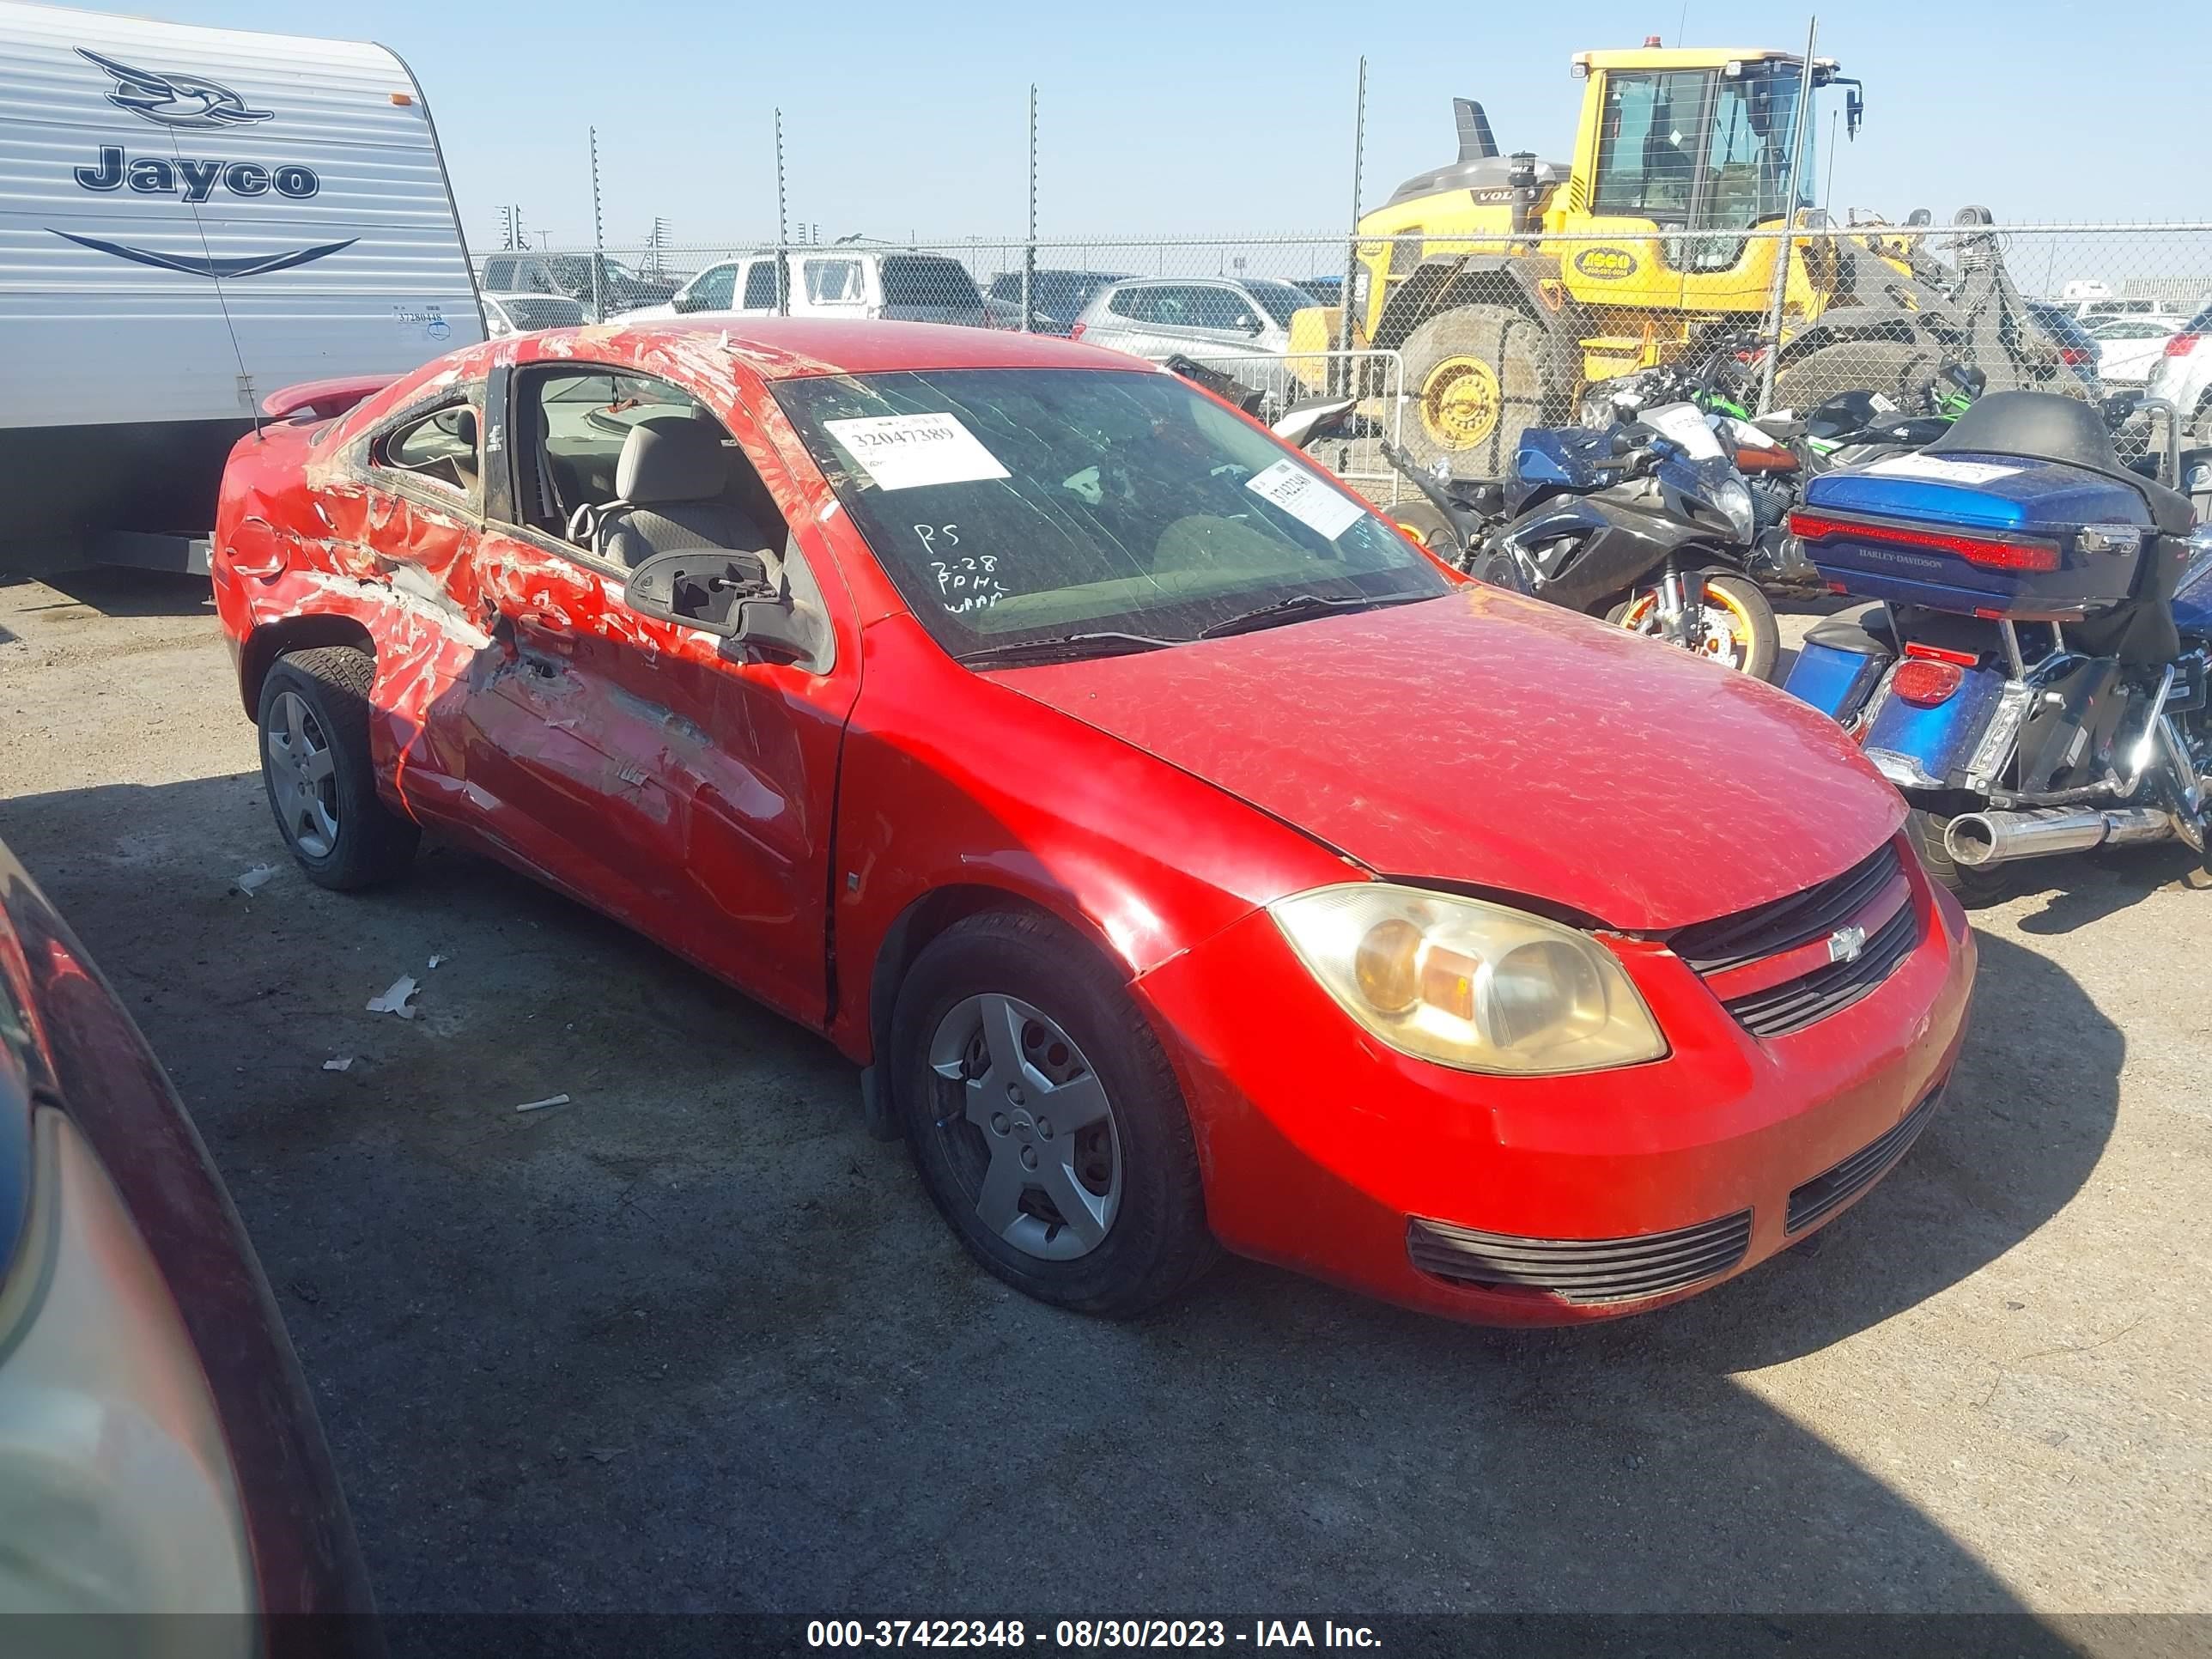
{"type": "Point", "coordinates": [2032, 674]}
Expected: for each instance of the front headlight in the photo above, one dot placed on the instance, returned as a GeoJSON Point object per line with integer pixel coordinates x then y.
{"type": "Point", "coordinates": [1469, 984]}
{"type": "Point", "coordinates": [1735, 500]}
{"type": "Point", "coordinates": [116, 1490]}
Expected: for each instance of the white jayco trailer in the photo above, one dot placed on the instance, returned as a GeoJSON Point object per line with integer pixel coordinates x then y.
{"type": "Point", "coordinates": [190, 219]}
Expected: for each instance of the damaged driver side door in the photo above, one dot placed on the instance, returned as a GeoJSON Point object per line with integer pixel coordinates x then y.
{"type": "Point", "coordinates": [681, 786]}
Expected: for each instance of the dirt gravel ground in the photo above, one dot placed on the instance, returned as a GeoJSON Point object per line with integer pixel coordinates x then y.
{"type": "Point", "coordinates": [694, 1341]}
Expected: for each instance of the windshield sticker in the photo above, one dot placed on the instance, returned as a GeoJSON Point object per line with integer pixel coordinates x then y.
{"type": "Point", "coordinates": [906, 451]}
{"type": "Point", "coordinates": [1306, 498]}
{"type": "Point", "coordinates": [1936, 469]}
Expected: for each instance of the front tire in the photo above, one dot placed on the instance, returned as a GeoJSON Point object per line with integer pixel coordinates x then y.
{"type": "Point", "coordinates": [1741, 629]}
{"type": "Point", "coordinates": [1477, 377]}
{"type": "Point", "coordinates": [1045, 1120]}
{"type": "Point", "coordinates": [316, 768]}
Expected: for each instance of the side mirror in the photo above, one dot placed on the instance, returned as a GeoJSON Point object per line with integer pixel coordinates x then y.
{"type": "Point", "coordinates": [743, 599]}
{"type": "Point", "coordinates": [1254, 326]}
{"type": "Point", "coordinates": [708, 588]}
{"type": "Point", "coordinates": [465, 426]}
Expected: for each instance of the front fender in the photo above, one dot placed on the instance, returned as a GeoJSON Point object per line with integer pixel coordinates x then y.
{"type": "Point", "coordinates": [953, 782]}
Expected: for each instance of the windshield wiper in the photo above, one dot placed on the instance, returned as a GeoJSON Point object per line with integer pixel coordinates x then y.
{"type": "Point", "coordinates": [1293, 606]}
{"type": "Point", "coordinates": [1063, 648]}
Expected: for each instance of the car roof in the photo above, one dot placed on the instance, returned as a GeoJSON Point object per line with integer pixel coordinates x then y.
{"type": "Point", "coordinates": [796, 348]}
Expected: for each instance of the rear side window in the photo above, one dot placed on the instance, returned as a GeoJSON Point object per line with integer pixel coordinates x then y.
{"type": "Point", "coordinates": [499, 274]}
{"type": "Point", "coordinates": [1135, 303]}
{"type": "Point", "coordinates": [921, 280]}
{"type": "Point", "coordinates": [440, 448]}
{"type": "Point", "coordinates": [834, 281]}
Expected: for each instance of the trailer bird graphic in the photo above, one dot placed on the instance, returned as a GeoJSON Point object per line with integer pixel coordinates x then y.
{"type": "Point", "coordinates": [175, 100]}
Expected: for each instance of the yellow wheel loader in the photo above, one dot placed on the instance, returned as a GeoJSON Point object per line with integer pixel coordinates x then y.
{"type": "Point", "coordinates": [1510, 285]}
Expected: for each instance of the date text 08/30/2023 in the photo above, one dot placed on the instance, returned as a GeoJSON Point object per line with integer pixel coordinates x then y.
{"type": "Point", "coordinates": [1085, 1634]}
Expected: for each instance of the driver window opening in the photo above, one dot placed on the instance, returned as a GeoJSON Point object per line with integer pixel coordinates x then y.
{"type": "Point", "coordinates": [623, 466]}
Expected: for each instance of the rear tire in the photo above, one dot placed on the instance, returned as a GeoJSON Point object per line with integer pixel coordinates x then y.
{"type": "Point", "coordinates": [316, 769]}
{"type": "Point", "coordinates": [978, 1114]}
{"type": "Point", "coordinates": [1965, 882]}
{"type": "Point", "coordinates": [1476, 378]}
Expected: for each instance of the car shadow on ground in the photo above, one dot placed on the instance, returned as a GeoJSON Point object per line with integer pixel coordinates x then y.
{"type": "Point", "coordinates": [116, 591]}
{"type": "Point", "coordinates": [694, 1341]}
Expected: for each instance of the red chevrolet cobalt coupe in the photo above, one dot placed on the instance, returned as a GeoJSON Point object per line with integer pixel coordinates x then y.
{"type": "Point", "coordinates": [1186, 855]}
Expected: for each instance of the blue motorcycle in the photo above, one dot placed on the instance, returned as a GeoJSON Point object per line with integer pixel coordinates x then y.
{"type": "Point", "coordinates": [2033, 674]}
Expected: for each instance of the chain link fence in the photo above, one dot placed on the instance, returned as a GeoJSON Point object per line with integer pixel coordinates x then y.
{"type": "Point", "coordinates": [1456, 344]}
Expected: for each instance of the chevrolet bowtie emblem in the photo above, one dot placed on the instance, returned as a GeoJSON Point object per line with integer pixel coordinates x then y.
{"type": "Point", "coordinates": [1845, 943]}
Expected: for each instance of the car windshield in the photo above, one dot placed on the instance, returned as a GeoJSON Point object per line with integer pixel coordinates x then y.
{"type": "Point", "coordinates": [1282, 300]}
{"type": "Point", "coordinates": [1016, 505]}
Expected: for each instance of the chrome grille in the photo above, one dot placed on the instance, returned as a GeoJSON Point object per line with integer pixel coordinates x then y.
{"type": "Point", "coordinates": [1768, 930]}
{"type": "Point", "coordinates": [1797, 1003]}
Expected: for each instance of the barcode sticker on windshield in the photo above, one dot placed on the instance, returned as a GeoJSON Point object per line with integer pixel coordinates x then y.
{"type": "Point", "coordinates": [904, 451]}
{"type": "Point", "coordinates": [1935, 467]}
{"type": "Point", "coordinates": [1306, 498]}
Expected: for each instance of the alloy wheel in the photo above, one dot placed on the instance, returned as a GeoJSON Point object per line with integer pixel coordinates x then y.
{"type": "Point", "coordinates": [302, 776]}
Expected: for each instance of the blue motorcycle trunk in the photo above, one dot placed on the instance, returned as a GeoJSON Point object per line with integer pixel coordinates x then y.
{"type": "Point", "coordinates": [1991, 536]}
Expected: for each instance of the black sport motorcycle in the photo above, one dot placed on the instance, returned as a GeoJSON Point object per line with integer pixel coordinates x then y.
{"type": "Point", "coordinates": [1645, 521]}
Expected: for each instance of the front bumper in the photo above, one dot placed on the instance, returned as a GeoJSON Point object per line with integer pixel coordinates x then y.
{"type": "Point", "coordinates": [1327, 1151]}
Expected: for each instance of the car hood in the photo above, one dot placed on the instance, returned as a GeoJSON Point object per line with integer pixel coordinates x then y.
{"type": "Point", "coordinates": [1492, 740]}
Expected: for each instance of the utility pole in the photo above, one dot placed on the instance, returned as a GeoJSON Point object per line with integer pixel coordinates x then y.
{"type": "Point", "coordinates": [1343, 300]}
{"type": "Point", "coordinates": [598, 239]}
{"type": "Point", "coordinates": [1786, 244]}
{"type": "Point", "coordinates": [1029, 252]}
{"type": "Point", "coordinates": [782, 230]}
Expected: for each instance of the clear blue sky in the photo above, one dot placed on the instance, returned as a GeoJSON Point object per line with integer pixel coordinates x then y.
{"type": "Point", "coordinates": [1172, 117]}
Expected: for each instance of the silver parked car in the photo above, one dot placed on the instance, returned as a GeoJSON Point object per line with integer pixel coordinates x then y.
{"type": "Point", "coordinates": [1238, 325]}
{"type": "Point", "coordinates": [2183, 376]}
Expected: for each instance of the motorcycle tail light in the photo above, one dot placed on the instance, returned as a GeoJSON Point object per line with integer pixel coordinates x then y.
{"type": "Point", "coordinates": [2073, 356]}
{"type": "Point", "coordinates": [1925, 684]}
{"type": "Point", "coordinates": [1990, 552]}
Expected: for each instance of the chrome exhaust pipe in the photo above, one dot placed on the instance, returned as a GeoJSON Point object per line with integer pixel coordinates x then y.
{"type": "Point", "coordinates": [1984, 838]}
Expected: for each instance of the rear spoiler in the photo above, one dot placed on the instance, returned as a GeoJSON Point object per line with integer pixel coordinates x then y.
{"type": "Point", "coordinates": [323, 400]}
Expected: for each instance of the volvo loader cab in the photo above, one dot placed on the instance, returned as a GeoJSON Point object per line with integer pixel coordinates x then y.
{"type": "Point", "coordinates": [1510, 283]}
